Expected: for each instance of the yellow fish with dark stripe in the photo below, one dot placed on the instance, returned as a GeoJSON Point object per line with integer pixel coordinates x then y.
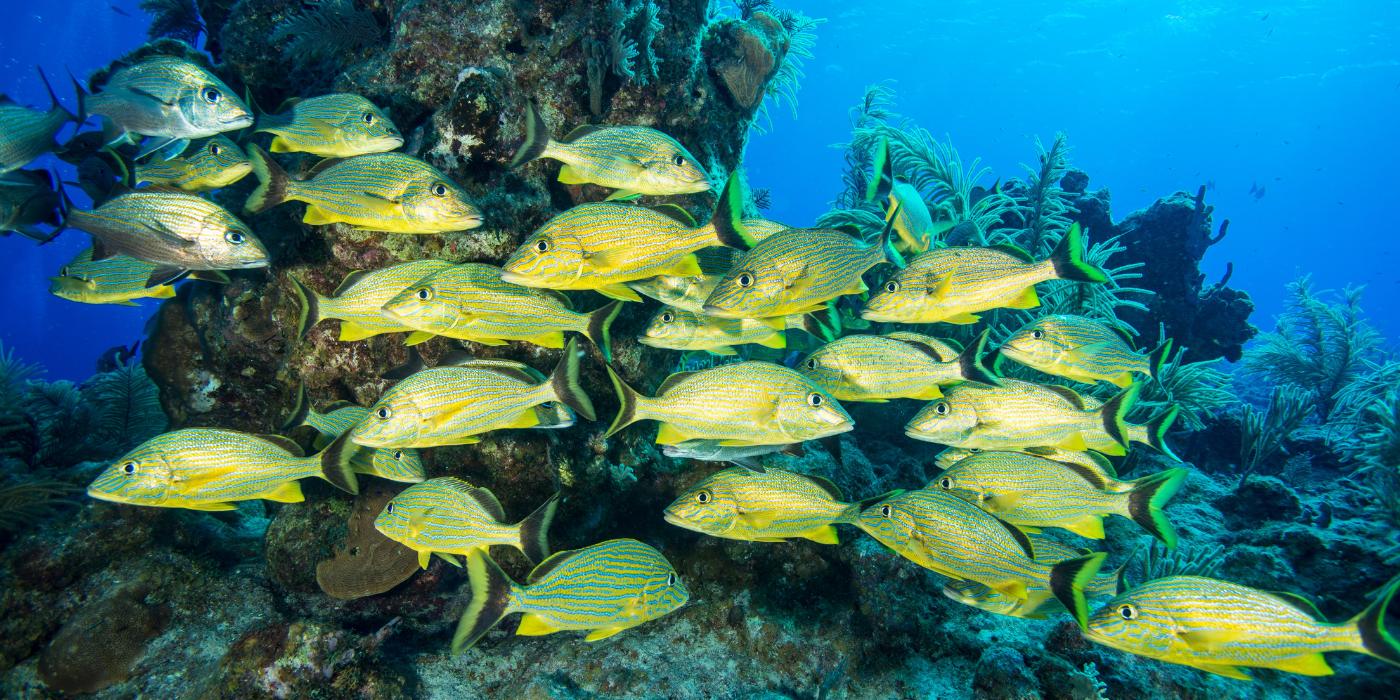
{"type": "Point", "coordinates": [607, 588]}
{"type": "Point", "coordinates": [1219, 627]}
{"type": "Point", "coordinates": [169, 99]}
{"type": "Point", "coordinates": [401, 464]}
{"type": "Point", "coordinates": [1081, 349]}
{"type": "Point", "coordinates": [907, 210]}
{"type": "Point", "coordinates": [636, 160]}
{"type": "Point", "coordinates": [449, 516]}
{"type": "Point", "coordinates": [207, 164]}
{"type": "Point", "coordinates": [209, 469]}
{"type": "Point", "coordinates": [1153, 433]}
{"type": "Point", "coordinates": [471, 302]}
{"type": "Point", "coordinates": [360, 296]}
{"type": "Point", "coordinates": [1047, 551]}
{"type": "Point", "coordinates": [116, 280]}
{"type": "Point", "coordinates": [675, 329]}
{"type": "Point", "coordinates": [1034, 492]}
{"type": "Point", "coordinates": [767, 505]}
{"type": "Point", "coordinates": [952, 284]}
{"type": "Point", "coordinates": [551, 415]}
{"type": "Point", "coordinates": [880, 368]}
{"type": "Point", "coordinates": [601, 246]}
{"type": "Point", "coordinates": [26, 134]}
{"type": "Point", "coordinates": [1088, 459]}
{"type": "Point", "coordinates": [376, 192]}
{"type": "Point", "coordinates": [338, 125]}
{"type": "Point", "coordinates": [690, 293]}
{"type": "Point", "coordinates": [1021, 414]}
{"type": "Point", "coordinates": [943, 347]}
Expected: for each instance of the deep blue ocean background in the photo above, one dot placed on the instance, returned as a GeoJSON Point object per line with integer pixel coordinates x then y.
{"type": "Point", "coordinates": [1301, 98]}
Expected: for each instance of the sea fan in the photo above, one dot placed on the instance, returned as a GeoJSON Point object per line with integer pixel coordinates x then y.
{"type": "Point", "coordinates": [328, 30]}
{"type": "Point", "coordinates": [129, 406]}
{"type": "Point", "coordinates": [24, 501]}
{"type": "Point", "coordinates": [1160, 562]}
{"type": "Point", "coordinates": [177, 19]}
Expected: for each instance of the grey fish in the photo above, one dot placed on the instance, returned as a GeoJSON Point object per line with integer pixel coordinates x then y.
{"type": "Point", "coordinates": [742, 455]}
{"type": "Point", "coordinates": [26, 134]}
{"type": "Point", "coordinates": [169, 99]}
{"type": "Point", "coordinates": [22, 207]}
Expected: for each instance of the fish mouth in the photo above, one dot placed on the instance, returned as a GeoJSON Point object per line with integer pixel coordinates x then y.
{"type": "Point", "coordinates": [238, 122]}
{"type": "Point", "coordinates": [718, 312]}
{"type": "Point", "coordinates": [680, 522]}
{"type": "Point", "coordinates": [471, 221]}
{"type": "Point", "coordinates": [522, 280]}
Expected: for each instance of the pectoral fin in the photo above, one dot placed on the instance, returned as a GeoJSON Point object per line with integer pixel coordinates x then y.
{"type": "Point", "coordinates": [618, 290]}
{"type": "Point", "coordinates": [1085, 352]}
{"type": "Point", "coordinates": [414, 338]}
{"type": "Point", "coordinates": [1208, 641]}
{"type": "Point", "coordinates": [378, 206]}
{"type": "Point", "coordinates": [1002, 504]}
{"type": "Point", "coordinates": [758, 519]}
{"type": "Point", "coordinates": [211, 506]}
{"type": "Point", "coordinates": [527, 419]}
{"type": "Point", "coordinates": [823, 535]}
{"type": "Point", "coordinates": [1027, 299]}
{"type": "Point", "coordinates": [963, 319]}
{"type": "Point", "coordinates": [1224, 670]}
{"type": "Point", "coordinates": [1015, 589]}
{"type": "Point", "coordinates": [1074, 443]}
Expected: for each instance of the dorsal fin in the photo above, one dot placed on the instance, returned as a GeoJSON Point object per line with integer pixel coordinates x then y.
{"type": "Point", "coordinates": [322, 166]}
{"type": "Point", "coordinates": [1088, 474]}
{"type": "Point", "coordinates": [287, 104]}
{"type": "Point", "coordinates": [1014, 251]}
{"type": "Point", "coordinates": [515, 373]}
{"type": "Point", "coordinates": [827, 486]}
{"type": "Point", "coordinates": [924, 348]}
{"type": "Point", "coordinates": [849, 229]}
{"type": "Point", "coordinates": [558, 296]}
{"type": "Point", "coordinates": [283, 443]}
{"type": "Point", "coordinates": [1300, 602]}
{"type": "Point", "coordinates": [489, 503]}
{"type": "Point", "coordinates": [671, 381]}
{"type": "Point", "coordinates": [1128, 339]}
{"type": "Point", "coordinates": [1103, 463]}
{"type": "Point", "coordinates": [549, 565]}
{"type": "Point", "coordinates": [955, 345]}
{"type": "Point", "coordinates": [5, 101]}
{"type": "Point", "coordinates": [337, 405]}
{"type": "Point", "coordinates": [1067, 393]}
{"type": "Point", "coordinates": [455, 484]}
{"type": "Point", "coordinates": [580, 132]}
{"type": "Point", "coordinates": [675, 213]}
{"type": "Point", "coordinates": [1020, 538]}
{"type": "Point", "coordinates": [350, 280]}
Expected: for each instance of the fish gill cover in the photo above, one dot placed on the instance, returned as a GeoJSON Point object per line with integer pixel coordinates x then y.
{"type": "Point", "coordinates": [756, 525]}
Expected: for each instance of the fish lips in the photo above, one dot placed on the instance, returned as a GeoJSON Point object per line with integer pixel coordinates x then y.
{"type": "Point", "coordinates": [719, 312]}
{"type": "Point", "coordinates": [522, 280]}
{"type": "Point", "coordinates": [680, 522]}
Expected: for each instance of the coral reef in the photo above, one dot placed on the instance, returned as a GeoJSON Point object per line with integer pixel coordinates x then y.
{"type": "Point", "coordinates": [368, 563]}
{"type": "Point", "coordinates": [98, 647]}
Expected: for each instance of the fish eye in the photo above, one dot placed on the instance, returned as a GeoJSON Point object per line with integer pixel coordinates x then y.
{"type": "Point", "coordinates": [389, 508]}
{"type": "Point", "coordinates": [63, 272]}
{"type": "Point", "coordinates": [543, 245]}
{"type": "Point", "coordinates": [369, 117]}
{"type": "Point", "coordinates": [667, 317]}
{"type": "Point", "coordinates": [946, 482]}
{"type": "Point", "coordinates": [892, 286]}
{"type": "Point", "coordinates": [679, 159]}
{"type": "Point", "coordinates": [811, 363]}
{"type": "Point", "coordinates": [424, 294]}
{"type": "Point", "coordinates": [814, 399]}
{"type": "Point", "coordinates": [1037, 334]}
{"type": "Point", "coordinates": [398, 454]}
{"type": "Point", "coordinates": [214, 149]}
{"type": "Point", "coordinates": [942, 408]}
{"type": "Point", "coordinates": [547, 405]}
{"type": "Point", "coordinates": [439, 189]}
{"type": "Point", "coordinates": [382, 413]}
{"type": "Point", "coordinates": [746, 280]}
{"type": "Point", "coordinates": [885, 511]}
{"type": "Point", "coordinates": [703, 497]}
{"type": "Point", "coordinates": [671, 579]}
{"type": "Point", "coordinates": [210, 95]}
{"type": "Point", "coordinates": [129, 468]}
{"type": "Point", "coordinates": [1128, 612]}
{"type": "Point", "coordinates": [234, 237]}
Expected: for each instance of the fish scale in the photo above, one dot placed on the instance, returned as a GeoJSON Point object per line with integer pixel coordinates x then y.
{"type": "Point", "coordinates": [129, 224]}
{"type": "Point", "coordinates": [201, 167]}
{"type": "Point", "coordinates": [385, 175]}
{"type": "Point", "coordinates": [981, 278]}
{"type": "Point", "coordinates": [591, 156]}
{"type": "Point", "coordinates": [360, 303]}
{"type": "Point", "coordinates": [448, 517]}
{"type": "Point", "coordinates": [26, 134]}
{"type": "Point", "coordinates": [825, 263]}
{"type": "Point", "coordinates": [115, 280]}
{"type": "Point", "coordinates": [1057, 350]}
{"type": "Point", "coordinates": [655, 243]}
{"type": "Point", "coordinates": [300, 128]}
{"type": "Point", "coordinates": [879, 368]}
{"type": "Point", "coordinates": [677, 329]}
{"type": "Point", "coordinates": [600, 586]}
{"type": "Point", "coordinates": [460, 402]}
{"type": "Point", "coordinates": [1016, 415]}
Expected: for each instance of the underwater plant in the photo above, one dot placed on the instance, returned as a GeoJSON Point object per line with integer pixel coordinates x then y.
{"type": "Point", "coordinates": [24, 501]}
{"type": "Point", "coordinates": [177, 19]}
{"type": "Point", "coordinates": [801, 37]}
{"type": "Point", "coordinates": [1186, 560]}
{"type": "Point", "coordinates": [1262, 432]}
{"type": "Point", "coordinates": [1197, 387]}
{"type": "Point", "coordinates": [1043, 205]}
{"type": "Point", "coordinates": [328, 30]}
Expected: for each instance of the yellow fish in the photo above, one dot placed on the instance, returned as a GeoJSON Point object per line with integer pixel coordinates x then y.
{"type": "Point", "coordinates": [116, 280]}
{"type": "Point", "coordinates": [675, 329]}
{"type": "Point", "coordinates": [338, 125]}
{"type": "Point", "coordinates": [206, 164]}
{"type": "Point", "coordinates": [449, 516]}
{"type": "Point", "coordinates": [360, 296]}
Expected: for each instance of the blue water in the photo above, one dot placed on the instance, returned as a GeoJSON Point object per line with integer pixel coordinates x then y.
{"type": "Point", "coordinates": [1301, 98]}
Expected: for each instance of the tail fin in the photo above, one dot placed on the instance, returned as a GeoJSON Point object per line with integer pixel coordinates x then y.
{"type": "Point", "coordinates": [851, 514]}
{"type": "Point", "coordinates": [882, 176]}
{"type": "Point", "coordinates": [1068, 259]}
{"type": "Point", "coordinates": [272, 182]}
{"type": "Point", "coordinates": [1159, 358]}
{"type": "Point", "coordinates": [565, 381]}
{"type": "Point", "coordinates": [599, 323]}
{"type": "Point", "coordinates": [258, 114]}
{"type": "Point", "coordinates": [536, 137]}
{"type": "Point", "coordinates": [627, 414]}
{"type": "Point", "coordinates": [1157, 431]}
{"type": "Point", "coordinates": [887, 239]}
{"type": "Point", "coordinates": [300, 411]}
{"type": "Point", "coordinates": [1067, 581]}
{"type": "Point", "coordinates": [413, 365]}
{"type": "Point", "coordinates": [1375, 640]}
{"type": "Point", "coordinates": [53, 99]}
{"type": "Point", "coordinates": [1117, 408]}
{"type": "Point", "coordinates": [534, 531]}
{"type": "Point", "coordinates": [490, 601]}
{"type": "Point", "coordinates": [728, 217]}
{"type": "Point", "coordinates": [336, 464]}
{"type": "Point", "coordinates": [310, 308]}
{"type": "Point", "coordinates": [1147, 498]}
{"type": "Point", "coordinates": [970, 362]}
{"type": "Point", "coordinates": [82, 99]}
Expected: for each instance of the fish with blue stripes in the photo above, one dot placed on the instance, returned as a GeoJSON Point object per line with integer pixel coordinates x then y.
{"type": "Point", "coordinates": [1047, 551]}
{"type": "Point", "coordinates": [951, 285]}
{"type": "Point", "coordinates": [609, 587]}
{"type": "Point", "coordinates": [205, 165]}
{"type": "Point", "coordinates": [636, 160]}
{"type": "Point", "coordinates": [796, 272]}
{"type": "Point", "coordinates": [744, 403]}
{"type": "Point", "coordinates": [454, 405]}
{"type": "Point", "coordinates": [375, 192]}
{"type": "Point", "coordinates": [768, 506]}
{"type": "Point", "coordinates": [879, 368]}
{"type": "Point", "coordinates": [175, 230]}
{"type": "Point", "coordinates": [675, 329]}
{"type": "Point", "coordinates": [26, 134]}
{"type": "Point", "coordinates": [210, 469]}
{"type": "Point", "coordinates": [1020, 414]}
{"type": "Point", "coordinates": [1087, 459]}
{"type": "Point", "coordinates": [551, 414]}
{"type": "Point", "coordinates": [357, 301]}
{"type": "Point", "coordinates": [602, 245]}
{"type": "Point", "coordinates": [690, 293]}
{"type": "Point", "coordinates": [1153, 433]}
{"type": "Point", "coordinates": [1081, 349]}
{"type": "Point", "coordinates": [943, 347]}
{"type": "Point", "coordinates": [949, 536]}
{"type": "Point", "coordinates": [449, 517]}
{"type": "Point", "coordinates": [742, 455]}
{"type": "Point", "coordinates": [338, 125]}
{"type": "Point", "coordinates": [471, 302]}
{"type": "Point", "coordinates": [1033, 492]}
{"type": "Point", "coordinates": [169, 99]}
{"type": "Point", "coordinates": [395, 464]}
{"type": "Point", "coordinates": [27, 199]}
{"type": "Point", "coordinates": [906, 208]}
{"type": "Point", "coordinates": [116, 280]}
{"type": "Point", "coordinates": [1222, 627]}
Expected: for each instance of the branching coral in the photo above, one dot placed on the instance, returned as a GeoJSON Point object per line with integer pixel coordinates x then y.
{"type": "Point", "coordinates": [26, 500]}
{"type": "Point", "coordinates": [1160, 562]}
{"type": "Point", "coordinates": [129, 405]}
{"type": "Point", "coordinates": [1197, 387]}
{"type": "Point", "coordinates": [1262, 432]}
{"type": "Point", "coordinates": [177, 19]}
{"type": "Point", "coordinates": [328, 30]}
{"type": "Point", "coordinates": [801, 37]}
{"type": "Point", "coordinates": [1377, 443]}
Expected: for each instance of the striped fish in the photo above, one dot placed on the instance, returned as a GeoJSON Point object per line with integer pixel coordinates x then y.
{"type": "Point", "coordinates": [207, 164]}
{"type": "Point", "coordinates": [879, 368]}
{"type": "Point", "coordinates": [601, 246]}
{"type": "Point", "coordinates": [951, 285]}
{"type": "Point", "coordinates": [907, 209]}
{"type": "Point", "coordinates": [26, 134]}
{"type": "Point", "coordinates": [453, 405]}
{"type": "Point", "coordinates": [1020, 414]}
{"type": "Point", "coordinates": [360, 296]}
{"type": "Point", "coordinates": [945, 348]}
{"type": "Point", "coordinates": [471, 302]}
{"type": "Point", "coordinates": [768, 506]}
{"type": "Point", "coordinates": [950, 536]}
{"type": "Point", "coordinates": [689, 293]}
{"type": "Point", "coordinates": [1218, 626]}
{"type": "Point", "coordinates": [337, 125]}
{"type": "Point", "coordinates": [607, 588]}
{"type": "Point", "coordinates": [375, 192]}
{"type": "Point", "coordinates": [449, 516]}
{"type": "Point", "coordinates": [209, 469]}
{"type": "Point", "coordinates": [551, 415]}
{"type": "Point", "coordinates": [796, 272]}
{"type": "Point", "coordinates": [742, 455]}
{"type": "Point", "coordinates": [174, 230]}
{"type": "Point", "coordinates": [116, 280]}
{"type": "Point", "coordinates": [636, 160]}
{"type": "Point", "coordinates": [401, 464]}
{"type": "Point", "coordinates": [745, 403]}
{"type": "Point", "coordinates": [1090, 460]}
{"type": "Point", "coordinates": [1153, 433]}
{"type": "Point", "coordinates": [681, 330]}
{"type": "Point", "coordinates": [169, 98]}
{"type": "Point", "coordinates": [1032, 492]}
{"type": "Point", "coordinates": [1047, 551]}
{"type": "Point", "coordinates": [1081, 349]}
{"type": "Point", "coordinates": [24, 206]}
